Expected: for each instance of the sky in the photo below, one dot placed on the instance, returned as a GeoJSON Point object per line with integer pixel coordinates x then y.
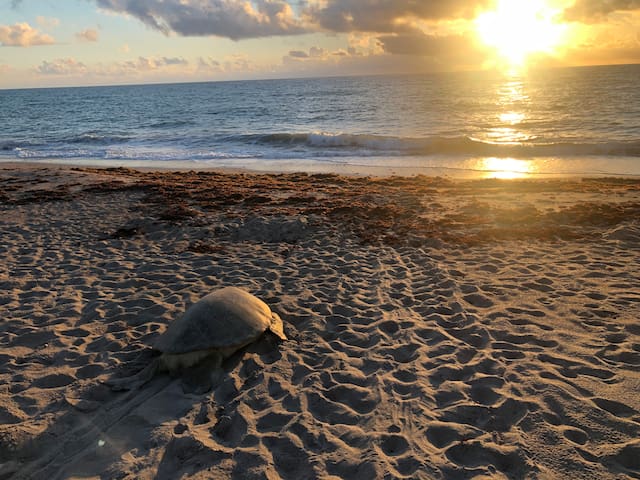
{"type": "Point", "coordinates": [103, 42]}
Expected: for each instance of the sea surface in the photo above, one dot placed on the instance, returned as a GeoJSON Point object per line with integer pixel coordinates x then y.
{"type": "Point", "coordinates": [578, 121]}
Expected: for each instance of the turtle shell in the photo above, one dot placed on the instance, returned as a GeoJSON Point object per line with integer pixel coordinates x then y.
{"type": "Point", "coordinates": [227, 318]}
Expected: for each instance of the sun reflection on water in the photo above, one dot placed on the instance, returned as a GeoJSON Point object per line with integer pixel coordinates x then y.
{"type": "Point", "coordinates": [512, 104]}
{"type": "Point", "coordinates": [512, 118]}
{"type": "Point", "coordinates": [511, 100]}
{"type": "Point", "coordinates": [507, 136]}
{"type": "Point", "coordinates": [506, 168]}
{"type": "Point", "coordinates": [512, 90]}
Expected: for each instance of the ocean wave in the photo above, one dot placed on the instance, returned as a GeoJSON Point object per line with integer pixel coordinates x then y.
{"type": "Point", "coordinates": [171, 124]}
{"type": "Point", "coordinates": [9, 146]}
{"type": "Point", "coordinates": [123, 154]}
{"type": "Point", "coordinates": [323, 146]}
{"type": "Point", "coordinates": [382, 145]}
{"type": "Point", "coordinates": [93, 138]}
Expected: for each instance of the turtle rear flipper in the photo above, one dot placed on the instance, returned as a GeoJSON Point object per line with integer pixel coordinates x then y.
{"type": "Point", "coordinates": [134, 381]}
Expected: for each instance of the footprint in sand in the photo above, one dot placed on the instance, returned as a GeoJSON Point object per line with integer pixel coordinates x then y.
{"type": "Point", "coordinates": [478, 300]}
{"type": "Point", "coordinates": [393, 445]}
{"type": "Point", "coordinates": [615, 408]}
{"type": "Point", "coordinates": [442, 434]}
{"type": "Point", "coordinates": [575, 435]}
{"type": "Point", "coordinates": [628, 456]}
{"type": "Point", "coordinates": [54, 380]}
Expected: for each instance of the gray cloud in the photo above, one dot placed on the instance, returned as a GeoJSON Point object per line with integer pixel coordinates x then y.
{"type": "Point", "coordinates": [15, 4]}
{"type": "Point", "coordinates": [143, 64]}
{"type": "Point", "coordinates": [313, 53]}
{"type": "Point", "coordinates": [238, 19]}
{"type": "Point", "coordinates": [447, 49]}
{"type": "Point", "coordinates": [423, 45]}
{"type": "Point", "coordinates": [382, 16]}
{"type": "Point", "coordinates": [593, 10]}
{"type": "Point", "coordinates": [234, 19]}
{"type": "Point", "coordinates": [298, 54]}
{"type": "Point", "coordinates": [174, 61]}
{"type": "Point", "coordinates": [88, 35]}
{"type": "Point", "coordinates": [61, 66]}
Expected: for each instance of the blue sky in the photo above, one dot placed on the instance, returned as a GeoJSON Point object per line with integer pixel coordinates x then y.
{"type": "Point", "coordinates": [98, 42]}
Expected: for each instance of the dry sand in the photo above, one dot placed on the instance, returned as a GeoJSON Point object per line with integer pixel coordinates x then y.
{"type": "Point", "coordinates": [438, 329]}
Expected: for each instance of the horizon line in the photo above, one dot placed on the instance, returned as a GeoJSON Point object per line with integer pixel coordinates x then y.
{"type": "Point", "coordinates": [310, 77]}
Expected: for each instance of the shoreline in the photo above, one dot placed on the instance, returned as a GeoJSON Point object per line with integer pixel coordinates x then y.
{"type": "Point", "coordinates": [438, 327]}
{"type": "Point", "coordinates": [469, 169]}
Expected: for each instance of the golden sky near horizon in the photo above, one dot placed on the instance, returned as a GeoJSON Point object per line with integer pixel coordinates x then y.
{"type": "Point", "coordinates": [89, 42]}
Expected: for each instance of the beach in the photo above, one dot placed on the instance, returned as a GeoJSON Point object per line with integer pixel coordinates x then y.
{"type": "Point", "coordinates": [437, 328]}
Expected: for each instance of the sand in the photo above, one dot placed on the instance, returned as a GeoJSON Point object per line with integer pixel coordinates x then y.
{"type": "Point", "coordinates": [437, 329]}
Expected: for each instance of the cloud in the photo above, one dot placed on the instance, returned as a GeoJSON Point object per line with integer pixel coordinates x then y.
{"type": "Point", "coordinates": [140, 66]}
{"type": "Point", "coordinates": [23, 35]}
{"type": "Point", "coordinates": [418, 43]}
{"type": "Point", "coordinates": [209, 65]}
{"type": "Point", "coordinates": [238, 19]}
{"type": "Point", "coordinates": [298, 54]}
{"type": "Point", "coordinates": [594, 10]}
{"type": "Point", "coordinates": [166, 61]}
{"type": "Point", "coordinates": [607, 43]}
{"type": "Point", "coordinates": [47, 22]}
{"type": "Point", "coordinates": [147, 64]}
{"type": "Point", "coordinates": [15, 4]}
{"type": "Point", "coordinates": [314, 52]}
{"type": "Point", "coordinates": [367, 53]}
{"type": "Point", "coordinates": [88, 35]}
{"type": "Point", "coordinates": [228, 66]}
{"type": "Point", "coordinates": [386, 16]}
{"type": "Point", "coordinates": [593, 54]}
{"type": "Point", "coordinates": [317, 56]}
{"type": "Point", "coordinates": [61, 66]}
{"type": "Point", "coordinates": [234, 19]}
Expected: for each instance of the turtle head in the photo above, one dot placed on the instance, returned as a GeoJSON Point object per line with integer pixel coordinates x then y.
{"type": "Point", "coordinates": [276, 326]}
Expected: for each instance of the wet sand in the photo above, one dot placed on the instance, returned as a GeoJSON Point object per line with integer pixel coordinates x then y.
{"type": "Point", "coordinates": [437, 328]}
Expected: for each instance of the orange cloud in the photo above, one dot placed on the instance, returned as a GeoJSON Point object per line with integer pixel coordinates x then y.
{"type": "Point", "coordinates": [597, 10]}
{"type": "Point", "coordinates": [23, 35]}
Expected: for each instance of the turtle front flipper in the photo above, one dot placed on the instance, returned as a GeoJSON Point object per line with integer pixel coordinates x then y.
{"type": "Point", "coordinates": [135, 381]}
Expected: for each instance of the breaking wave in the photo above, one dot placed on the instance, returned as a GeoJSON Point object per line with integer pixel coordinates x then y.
{"type": "Point", "coordinates": [323, 146]}
{"type": "Point", "coordinates": [384, 145]}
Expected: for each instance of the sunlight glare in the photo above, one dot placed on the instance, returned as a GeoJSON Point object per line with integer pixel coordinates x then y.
{"type": "Point", "coordinates": [512, 118]}
{"type": "Point", "coordinates": [518, 28]}
{"type": "Point", "coordinates": [507, 168]}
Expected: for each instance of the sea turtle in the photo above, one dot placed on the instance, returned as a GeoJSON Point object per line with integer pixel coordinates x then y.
{"type": "Point", "coordinates": [209, 331]}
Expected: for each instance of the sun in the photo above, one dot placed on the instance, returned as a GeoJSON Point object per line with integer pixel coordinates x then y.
{"type": "Point", "coordinates": [517, 29]}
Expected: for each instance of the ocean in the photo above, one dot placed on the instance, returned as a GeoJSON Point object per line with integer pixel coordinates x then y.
{"type": "Point", "coordinates": [569, 121]}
